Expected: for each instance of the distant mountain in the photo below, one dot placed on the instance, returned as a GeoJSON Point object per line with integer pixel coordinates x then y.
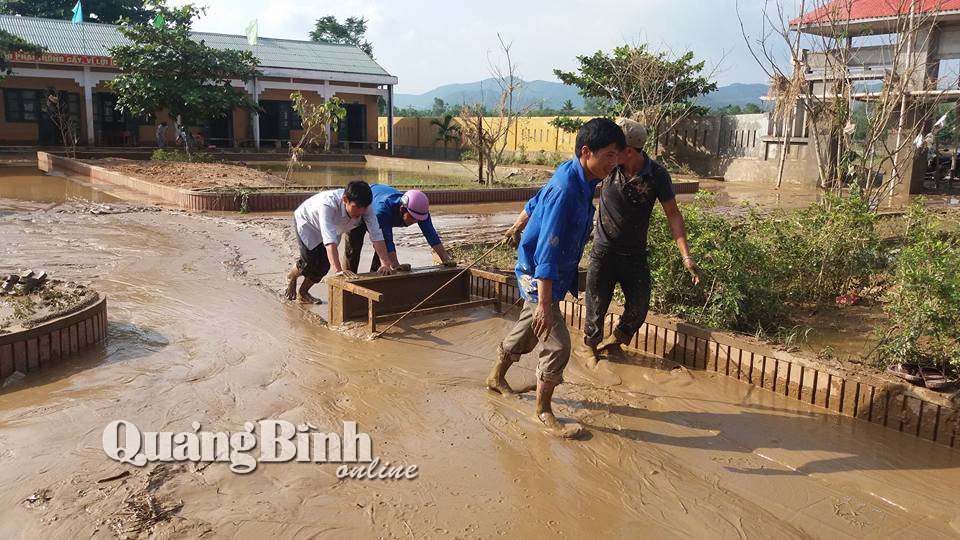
{"type": "Point", "coordinates": [547, 94]}
{"type": "Point", "coordinates": [533, 93]}
{"type": "Point", "coordinates": [734, 94]}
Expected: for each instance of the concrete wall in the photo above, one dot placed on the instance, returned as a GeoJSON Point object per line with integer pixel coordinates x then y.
{"type": "Point", "coordinates": [738, 148]}
{"type": "Point", "coordinates": [529, 134]}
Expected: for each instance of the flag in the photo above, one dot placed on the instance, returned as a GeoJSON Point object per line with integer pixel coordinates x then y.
{"type": "Point", "coordinates": [159, 21]}
{"type": "Point", "coordinates": [252, 32]}
{"type": "Point", "coordinates": [77, 13]}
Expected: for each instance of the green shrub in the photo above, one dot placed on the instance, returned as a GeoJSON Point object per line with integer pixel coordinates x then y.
{"type": "Point", "coordinates": [175, 154]}
{"type": "Point", "coordinates": [738, 291]}
{"type": "Point", "coordinates": [822, 251]}
{"type": "Point", "coordinates": [924, 300]}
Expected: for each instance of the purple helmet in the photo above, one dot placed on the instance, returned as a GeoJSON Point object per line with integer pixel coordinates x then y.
{"type": "Point", "coordinates": [416, 203]}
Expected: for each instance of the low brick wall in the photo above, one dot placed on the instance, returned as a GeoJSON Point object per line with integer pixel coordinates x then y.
{"type": "Point", "coordinates": [53, 341]}
{"type": "Point", "coordinates": [912, 410]}
{"type": "Point", "coordinates": [274, 201]}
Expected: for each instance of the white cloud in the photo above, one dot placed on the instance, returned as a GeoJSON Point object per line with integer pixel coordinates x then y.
{"type": "Point", "coordinates": [430, 43]}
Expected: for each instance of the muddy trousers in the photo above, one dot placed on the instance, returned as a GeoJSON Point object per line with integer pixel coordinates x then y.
{"type": "Point", "coordinates": [603, 274]}
{"type": "Point", "coordinates": [554, 351]}
{"type": "Point", "coordinates": [351, 250]}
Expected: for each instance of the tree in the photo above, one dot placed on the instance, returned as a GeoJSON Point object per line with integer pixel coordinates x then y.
{"type": "Point", "coordinates": [106, 11]}
{"type": "Point", "coordinates": [164, 69]}
{"type": "Point", "coordinates": [568, 108]}
{"type": "Point", "coordinates": [653, 88]}
{"type": "Point", "coordinates": [439, 107]}
{"type": "Point", "coordinates": [488, 138]}
{"type": "Point", "coordinates": [315, 121]}
{"type": "Point", "coordinates": [447, 131]}
{"type": "Point", "coordinates": [329, 30]}
{"type": "Point", "coordinates": [58, 111]}
{"type": "Point", "coordinates": [10, 43]}
{"type": "Point", "coordinates": [752, 108]}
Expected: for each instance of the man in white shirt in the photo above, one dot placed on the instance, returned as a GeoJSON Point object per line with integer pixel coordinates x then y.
{"type": "Point", "coordinates": [320, 221]}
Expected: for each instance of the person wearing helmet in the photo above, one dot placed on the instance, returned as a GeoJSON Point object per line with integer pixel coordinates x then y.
{"type": "Point", "coordinates": [395, 209]}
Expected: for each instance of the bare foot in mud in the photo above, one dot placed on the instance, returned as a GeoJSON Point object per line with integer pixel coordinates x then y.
{"type": "Point", "coordinates": [555, 428]}
{"type": "Point", "coordinates": [307, 298]}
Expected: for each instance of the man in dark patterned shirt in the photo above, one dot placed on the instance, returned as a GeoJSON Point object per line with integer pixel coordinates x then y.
{"type": "Point", "coordinates": [619, 252]}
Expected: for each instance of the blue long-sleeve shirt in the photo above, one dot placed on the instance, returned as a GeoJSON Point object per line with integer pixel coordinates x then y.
{"type": "Point", "coordinates": [560, 219]}
{"type": "Point", "coordinates": [386, 206]}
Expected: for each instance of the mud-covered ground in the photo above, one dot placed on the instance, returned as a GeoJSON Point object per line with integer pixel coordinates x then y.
{"type": "Point", "coordinates": [26, 306]}
{"type": "Point", "coordinates": [197, 332]}
{"type": "Point", "coordinates": [191, 175]}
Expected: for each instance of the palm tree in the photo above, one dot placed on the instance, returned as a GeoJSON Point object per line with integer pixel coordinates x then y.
{"type": "Point", "coordinates": [447, 131]}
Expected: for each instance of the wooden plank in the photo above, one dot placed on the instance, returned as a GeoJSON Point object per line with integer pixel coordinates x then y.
{"type": "Point", "coordinates": [372, 315]}
{"type": "Point", "coordinates": [493, 276]}
{"type": "Point", "coordinates": [442, 309]}
{"type": "Point", "coordinates": [357, 289]}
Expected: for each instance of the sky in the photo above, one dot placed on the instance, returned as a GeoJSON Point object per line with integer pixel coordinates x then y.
{"type": "Point", "coordinates": [431, 43]}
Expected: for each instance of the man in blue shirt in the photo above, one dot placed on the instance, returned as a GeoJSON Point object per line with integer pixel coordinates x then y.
{"type": "Point", "coordinates": [560, 219]}
{"type": "Point", "coordinates": [395, 209]}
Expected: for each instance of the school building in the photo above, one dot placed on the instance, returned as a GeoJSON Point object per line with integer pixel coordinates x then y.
{"type": "Point", "coordinates": [77, 65]}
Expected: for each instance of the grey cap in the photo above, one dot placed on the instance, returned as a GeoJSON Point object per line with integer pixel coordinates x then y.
{"type": "Point", "coordinates": [634, 131]}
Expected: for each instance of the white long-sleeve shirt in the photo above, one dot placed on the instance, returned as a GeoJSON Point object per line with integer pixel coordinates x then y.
{"type": "Point", "coordinates": [323, 218]}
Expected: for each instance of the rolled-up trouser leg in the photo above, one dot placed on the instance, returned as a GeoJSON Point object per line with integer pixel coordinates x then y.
{"type": "Point", "coordinates": [353, 246]}
{"type": "Point", "coordinates": [554, 351]}
{"type": "Point", "coordinates": [601, 279]}
{"type": "Point", "coordinates": [634, 277]}
{"type": "Point", "coordinates": [521, 339]}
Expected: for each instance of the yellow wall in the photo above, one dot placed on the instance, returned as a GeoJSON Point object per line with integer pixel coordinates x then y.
{"type": "Point", "coordinates": [28, 132]}
{"type": "Point", "coordinates": [530, 134]}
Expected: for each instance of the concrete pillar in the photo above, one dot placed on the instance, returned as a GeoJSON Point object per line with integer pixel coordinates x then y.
{"type": "Point", "coordinates": [88, 103]}
{"type": "Point", "coordinates": [390, 119]}
{"type": "Point", "coordinates": [327, 131]}
{"type": "Point", "coordinates": [255, 119]}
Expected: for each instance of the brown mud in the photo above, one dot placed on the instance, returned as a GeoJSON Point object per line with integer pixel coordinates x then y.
{"type": "Point", "coordinates": [198, 332]}
{"type": "Point", "coordinates": [190, 175]}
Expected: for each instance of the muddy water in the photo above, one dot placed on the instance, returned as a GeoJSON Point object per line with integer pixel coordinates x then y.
{"type": "Point", "coordinates": [26, 182]}
{"type": "Point", "coordinates": [197, 333]}
{"type": "Point", "coordinates": [334, 174]}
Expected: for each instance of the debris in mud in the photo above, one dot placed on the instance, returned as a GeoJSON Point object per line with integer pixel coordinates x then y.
{"type": "Point", "coordinates": [39, 498]}
{"type": "Point", "coordinates": [123, 474]}
{"type": "Point", "coordinates": [99, 209]}
{"type": "Point", "coordinates": [141, 514]}
{"type": "Point", "coordinates": [30, 298]}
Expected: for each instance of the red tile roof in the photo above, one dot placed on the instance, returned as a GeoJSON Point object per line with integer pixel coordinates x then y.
{"type": "Point", "coordinates": [862, 10]}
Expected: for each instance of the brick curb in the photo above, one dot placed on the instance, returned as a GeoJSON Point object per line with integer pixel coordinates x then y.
{"type": "Point", "coordinates": [53, 341]}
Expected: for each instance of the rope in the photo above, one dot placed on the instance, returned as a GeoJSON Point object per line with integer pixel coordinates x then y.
{"type": "Point", "coordinates": [454, 278]}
